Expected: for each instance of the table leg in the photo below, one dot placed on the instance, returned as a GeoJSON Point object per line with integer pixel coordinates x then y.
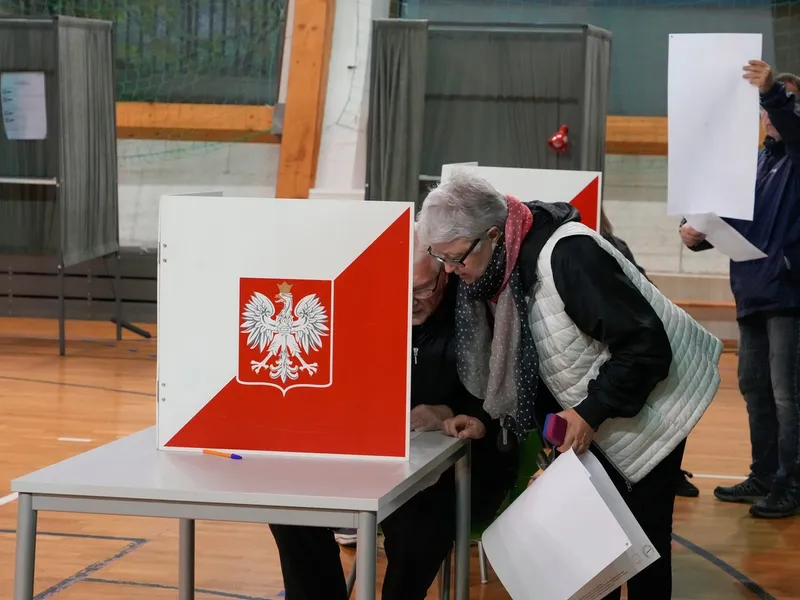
{"type": "Point", "coordinates": [462, 525]}
{"type": "Point", "coordinates": [26, 548]}
{"type": "Point", "coordinates": [367, 556]}
{"type": "Point", "coordinates": [186, 560]}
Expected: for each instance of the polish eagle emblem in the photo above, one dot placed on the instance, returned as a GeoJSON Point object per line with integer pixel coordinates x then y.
{"type": "Point", "coordinates": [286, 337]}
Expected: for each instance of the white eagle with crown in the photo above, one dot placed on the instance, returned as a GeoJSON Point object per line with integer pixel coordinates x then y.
{"type": "Point", "coordinates": [296, 330]}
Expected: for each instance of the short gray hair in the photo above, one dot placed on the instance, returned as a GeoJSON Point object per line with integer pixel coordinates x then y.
{"type": "Point", "coordinates": [465, 206]}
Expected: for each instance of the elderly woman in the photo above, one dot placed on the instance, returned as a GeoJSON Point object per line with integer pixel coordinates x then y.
{"type": "Point", "coordinates": [550, 317]}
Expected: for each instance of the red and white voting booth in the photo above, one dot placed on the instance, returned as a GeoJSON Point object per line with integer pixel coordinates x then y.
{"type": "Point", "coordinates": [284, 326]}
{"type": "Point", "coordinates": [582, 189]}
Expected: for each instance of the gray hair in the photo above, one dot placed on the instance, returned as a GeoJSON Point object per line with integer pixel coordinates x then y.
{"type": "Point", "coordinates": [465, 206]}
{"type": "Point", "coordinates": [420, 248]}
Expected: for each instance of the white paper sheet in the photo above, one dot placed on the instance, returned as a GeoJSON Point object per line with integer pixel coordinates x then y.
{"type": "Point", "coordinates": [725, 238]}
{"type": "Point", "coordinates": [641, 552]}
{"type": "Point", "coordinates": [558, 536]}
{"type": "Point", "coordinates": [713, 125]}
{"type": "Point", "coordinates": [23, 103]}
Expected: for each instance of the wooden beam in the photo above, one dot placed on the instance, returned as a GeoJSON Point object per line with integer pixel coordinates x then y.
{"type": "Point", "coordinates": [645, 136]}
{"type": "Point", "coordinates": [312, 37]}
{"type": "Point", "coordinates": [194, 122]}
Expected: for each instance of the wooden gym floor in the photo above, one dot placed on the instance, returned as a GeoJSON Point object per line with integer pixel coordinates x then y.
{"type": "Point", "coordinates": [52, 408]}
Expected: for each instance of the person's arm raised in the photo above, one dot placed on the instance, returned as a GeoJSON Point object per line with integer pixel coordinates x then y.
{"type": "Point", "coordinates": [781, 107]}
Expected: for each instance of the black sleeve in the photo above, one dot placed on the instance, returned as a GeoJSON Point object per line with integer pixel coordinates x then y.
{"type": "Point", "coordinates": [704, 245]}
{"type": "Point", "coordinates": [784, 113]}
{"type": "Point", "coordinates": [605, 304]}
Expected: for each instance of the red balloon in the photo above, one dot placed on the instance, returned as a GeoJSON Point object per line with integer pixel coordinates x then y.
{"type": "Point", "coordinates": [559, 140]}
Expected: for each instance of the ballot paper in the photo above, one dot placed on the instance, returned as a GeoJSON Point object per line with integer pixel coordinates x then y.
{"type": "Point", "coordinates": [722, 120]}
{"type": "Point", "coordinates": [569, 536]}
{"type": "Point", "coordinates": [724, 237]}
{"type": "Point", "coordinates": [23, 103]}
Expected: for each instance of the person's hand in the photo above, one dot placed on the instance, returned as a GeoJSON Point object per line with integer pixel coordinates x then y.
{"type": "Point", "coordinates": [759, 74]}
{"type": "Point", "coordinates": [690, 236]}
{"type": "Point", "coordinates": [464, 427]}
{"type": "Point", "coordinates": [579, 433]}
{"type": "Point", "coordinates": [425, 417]}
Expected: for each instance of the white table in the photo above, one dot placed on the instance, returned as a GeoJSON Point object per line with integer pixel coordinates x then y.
{"type": "Point", "coordinates": [131, 477]}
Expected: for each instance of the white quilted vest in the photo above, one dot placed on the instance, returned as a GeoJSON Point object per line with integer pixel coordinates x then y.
{"type": "Point", "coordinates": [569, 359]}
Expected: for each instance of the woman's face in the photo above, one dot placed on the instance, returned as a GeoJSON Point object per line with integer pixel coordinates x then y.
{"type": "Point", "coordinates": [467, 258]}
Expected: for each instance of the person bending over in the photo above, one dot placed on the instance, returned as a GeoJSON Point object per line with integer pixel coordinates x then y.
{"type": "Point", "coordinates": [683, 487]}
{"type": "Point", "coordinates": [551, 318]}
{"type": "Point", "coordinates": [767, 295]}
{"type": "Point", "coordinates": [419, 534]}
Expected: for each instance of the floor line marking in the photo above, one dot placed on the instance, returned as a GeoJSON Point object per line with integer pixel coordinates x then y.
{"type": "Point", "coordinates": [75, 385]}
{"type": "Point", "coordinates": [77, 440]}
{"type": "Point", "coordinates": [8, 499]}
{"type": "Point", "coordinates": [162, 586]}
{"type": "Point", "coordinates": [726, 568]}
{"type": "Point", "coordinates": [84, 574]}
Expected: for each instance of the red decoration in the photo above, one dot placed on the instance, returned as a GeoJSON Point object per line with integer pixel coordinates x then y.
{"type": "Point", "coordinates": [559, 140]}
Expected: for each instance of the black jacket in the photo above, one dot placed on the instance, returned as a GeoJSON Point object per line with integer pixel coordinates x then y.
{"type": "Point", "coordinates": [606, 305]}
{"type": "Point", "coordinates": [434, 380]}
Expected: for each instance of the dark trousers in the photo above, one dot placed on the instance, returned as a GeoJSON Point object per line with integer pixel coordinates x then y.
{"type": "Point", "coordinates": [769, 380]}
{"type": "Point", "coordinates": [651, 501]}
{"type": "Point", "coordinates": [417, 537]}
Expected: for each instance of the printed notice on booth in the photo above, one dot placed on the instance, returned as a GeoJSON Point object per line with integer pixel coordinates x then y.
{"type": "Point", "coordinates": [23, 103]}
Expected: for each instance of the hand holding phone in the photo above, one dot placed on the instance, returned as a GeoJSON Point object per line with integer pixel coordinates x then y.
{"type": "Point", "coordinates": [555, 429]}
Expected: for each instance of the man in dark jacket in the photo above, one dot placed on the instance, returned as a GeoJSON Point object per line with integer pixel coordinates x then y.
{"type": "Point", "coordinates": [418, 535]}
{"type": "Point", "coordinates": [767, 294]}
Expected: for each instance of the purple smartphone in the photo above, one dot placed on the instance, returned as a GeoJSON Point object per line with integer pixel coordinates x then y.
{"type": "Point", "coordinates": [555, 428]}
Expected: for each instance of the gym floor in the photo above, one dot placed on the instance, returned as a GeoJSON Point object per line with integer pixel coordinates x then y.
{"type": "Point", "coordinates": [52, 408]}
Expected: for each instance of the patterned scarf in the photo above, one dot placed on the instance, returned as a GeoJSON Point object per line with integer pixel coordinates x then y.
{"type": "Point", "coordinates": [498, 363]}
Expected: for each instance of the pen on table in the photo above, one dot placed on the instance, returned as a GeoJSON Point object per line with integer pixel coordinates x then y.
{"type": "Point", "coordinates": [223, 454]}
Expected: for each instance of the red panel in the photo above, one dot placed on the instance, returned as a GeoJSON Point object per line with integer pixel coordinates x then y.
{"type": "Point", "coordinates": [363, 411]}
{"type": "Point", "coordinates": [586, 202]}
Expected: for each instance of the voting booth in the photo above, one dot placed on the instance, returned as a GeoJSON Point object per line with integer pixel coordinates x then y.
{"type": "Point", "coordinates": [582, 189]}
{"type": "Point", "coordinates": [300, 343]}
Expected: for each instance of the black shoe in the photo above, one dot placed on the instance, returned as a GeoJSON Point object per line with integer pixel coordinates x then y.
{"type": "Point", "coordinates": [686, 488]}
{"type": "Point", "coordinates": [776, 505]}
{"type": "Point", "coordinates": [749, 491]}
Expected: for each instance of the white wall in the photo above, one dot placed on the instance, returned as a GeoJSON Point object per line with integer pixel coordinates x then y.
{"type": "Point", "coordinates": [150, 169]}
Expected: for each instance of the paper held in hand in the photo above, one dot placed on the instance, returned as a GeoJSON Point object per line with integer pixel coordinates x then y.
{"type": "Point", "coordinates": [569, 536]}
{"type": "Point", "coordinates": [724, 238]}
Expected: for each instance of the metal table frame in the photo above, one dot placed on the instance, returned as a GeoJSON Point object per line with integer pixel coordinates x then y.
{"type": "Point", "coordinates": [30, 504]}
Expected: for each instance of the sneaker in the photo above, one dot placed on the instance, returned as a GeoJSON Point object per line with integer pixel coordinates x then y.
{"type": "Point", "coordinates": [685, 487]}
{"type": "Point", "coordinates": [345, 537]}
{"type": "Point", "coordinates": [749, 491]}
{"type": "Point", "coordinates": [776, 505]}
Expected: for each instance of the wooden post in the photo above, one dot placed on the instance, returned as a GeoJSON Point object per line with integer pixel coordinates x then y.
{"type": "Point", "coordinates": [312, 37]}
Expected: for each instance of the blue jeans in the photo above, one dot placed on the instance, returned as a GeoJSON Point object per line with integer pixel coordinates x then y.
{"type": "Point", "coordinates": [769, 380]}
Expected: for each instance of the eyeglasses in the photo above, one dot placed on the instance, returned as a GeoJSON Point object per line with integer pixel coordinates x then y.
{"type": "Point", "coordinates": [426, 293]}
{"type": "Point", "coordinates": [456, 262]}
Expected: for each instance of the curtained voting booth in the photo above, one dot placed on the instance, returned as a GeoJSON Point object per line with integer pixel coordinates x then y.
{"type": "Point", "coordinates": [58, 150]}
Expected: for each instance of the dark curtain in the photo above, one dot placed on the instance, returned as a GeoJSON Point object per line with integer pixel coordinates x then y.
{"type": "Point", "coordinates": [396, 112]}
{"type": "Point", "coordinates": [78, 220]}
{"type": "Point", "coordinates": [598, 71]}
{"type": "Point", "coordinates": [29, 220]}
{"type": "Point", "coordinates": [89, 192]}
{"type": "Point", "coordinates": [495, 94]}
